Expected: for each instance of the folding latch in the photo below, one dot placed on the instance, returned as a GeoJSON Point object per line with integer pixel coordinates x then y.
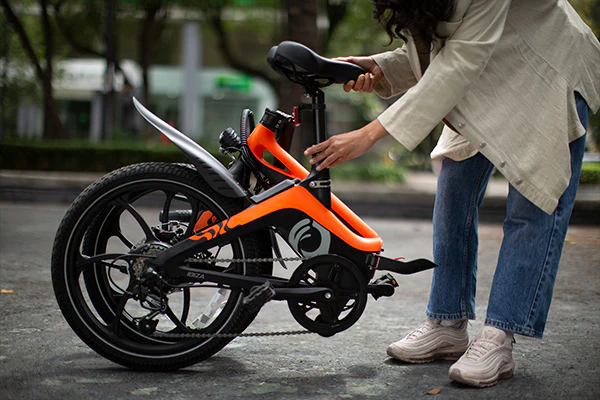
{"type": "Point", "coordinates": [324, 184]}
{"type": "Point", "coordinates": [373, 261]}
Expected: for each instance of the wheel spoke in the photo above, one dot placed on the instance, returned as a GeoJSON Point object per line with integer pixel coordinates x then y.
{"type": "Point", "coordinates": [119, 234]}
{"type": "Point", "coordinates": [140, 220]}
{"type": "Point", "coordinates": [186, 305]}
{"type": "Point", "coordinates": [85, 261]}
{"type": "Point", "coordinates": [164, 217]}
{"type": "Point", "coordinates": [114, 229]}
{"type": "Point", "coordinates": [179, 324]}
{"type": "Point", "coordinates": [192, 222]}
{"type": "Point", "coordinates": [119, 312]}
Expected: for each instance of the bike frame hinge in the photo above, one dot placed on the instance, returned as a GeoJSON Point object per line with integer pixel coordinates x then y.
{"type": "Point", "coordinates": [324, 184]}
{"type": "Point", "coordinates": [372, 261]}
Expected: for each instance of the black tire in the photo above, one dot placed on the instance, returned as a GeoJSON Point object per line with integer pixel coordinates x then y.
{"type": "Point", "coordinates": [100, 300]}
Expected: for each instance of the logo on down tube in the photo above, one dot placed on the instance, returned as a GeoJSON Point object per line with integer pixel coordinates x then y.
{"type": "Point", "coordinates": [309, 238]}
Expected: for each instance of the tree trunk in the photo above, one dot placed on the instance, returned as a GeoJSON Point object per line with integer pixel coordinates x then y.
{"type": "Point", "coordinates": [145, 43]}
{"type": "Point", "coordinates": [53, 128]}
{"type": "Point", "coordinates": [301, 28]}
{"type": "Point", "coordinates": [155, 16]}
{"type": "Point", "coordinates": [74, 40]}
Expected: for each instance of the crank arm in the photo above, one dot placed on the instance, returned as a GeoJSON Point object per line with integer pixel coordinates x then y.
{"type": "Point", "coordinates": [405, 268]}
{"type": "Point", "coordinates": [320, 294]}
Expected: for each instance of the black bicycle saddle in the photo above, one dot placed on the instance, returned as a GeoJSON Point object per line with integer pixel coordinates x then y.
{"type": "Point", "coordinates": [301, 65]}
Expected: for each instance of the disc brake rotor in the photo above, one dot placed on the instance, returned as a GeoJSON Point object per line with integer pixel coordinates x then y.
{"type": "Point", "coordinates": [348, 284]}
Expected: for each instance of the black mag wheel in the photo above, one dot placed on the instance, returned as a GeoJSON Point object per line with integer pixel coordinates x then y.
{"type": "Point", "coordinates": [115, 303]}
{"type": "Point", "coordinates": [349, 286]}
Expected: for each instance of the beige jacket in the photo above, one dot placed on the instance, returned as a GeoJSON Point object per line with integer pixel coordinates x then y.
{"type": "Point", "coordinates": [503, 73]}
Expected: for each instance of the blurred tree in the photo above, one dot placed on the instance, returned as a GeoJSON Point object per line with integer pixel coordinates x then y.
{"type": "Point", "coordinates": [213, 11]}
{"type": "Point", "coordinates": [84, 26]}
{"type": "Point", "coordinates": [52, 126]}
{"type": "Point", "coordinates": [297, 23]}
{"type": "Point", "coordinates": [18, 83]}
{"type": "Point", "coordinates": [336, 11]}
{"type": "Point", "coordinates": [153, 24]}
{"type": "Point", "coordinates": [590, 12]}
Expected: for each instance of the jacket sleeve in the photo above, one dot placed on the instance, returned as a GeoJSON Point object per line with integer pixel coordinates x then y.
{"type": "Point", "coordinates": [456, 67]}
{"type": "Point", "coordinates": [398, 76]}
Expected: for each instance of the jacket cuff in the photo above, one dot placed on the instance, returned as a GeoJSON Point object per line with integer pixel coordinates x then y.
{"type": "Point", "coordinates": [397, 72]}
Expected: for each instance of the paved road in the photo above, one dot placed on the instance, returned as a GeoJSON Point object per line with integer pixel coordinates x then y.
{"type": "Point", "coordinates": [40, 357]}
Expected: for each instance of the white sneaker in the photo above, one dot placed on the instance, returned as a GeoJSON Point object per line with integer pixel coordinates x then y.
{"type": "Point", "coordinates": [432, 341]}
{"type": "Point", "coordinates": [487, 360]}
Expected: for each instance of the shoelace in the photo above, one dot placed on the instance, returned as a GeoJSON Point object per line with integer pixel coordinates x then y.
{"type": "Point", "coordinates": [426, 327]}
{"type": "Point", "coordinates": [479, 348]}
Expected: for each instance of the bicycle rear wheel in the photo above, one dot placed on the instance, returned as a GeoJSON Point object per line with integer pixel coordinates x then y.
{"type": "Point", "coordinates": [118, 305]}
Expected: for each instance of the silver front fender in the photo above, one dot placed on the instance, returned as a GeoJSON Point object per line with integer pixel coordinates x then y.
{"type": "Point", "coordinates": [215, 174]}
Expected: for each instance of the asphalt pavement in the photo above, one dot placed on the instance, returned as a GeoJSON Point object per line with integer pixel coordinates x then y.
{"type": "Point", "coordinates": [41, 358]}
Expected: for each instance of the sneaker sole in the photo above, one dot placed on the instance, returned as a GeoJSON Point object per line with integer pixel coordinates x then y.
{"type": "Point", "coordinates": [428, 358]}
{"type": "Point", "coordinates": [507, 373]}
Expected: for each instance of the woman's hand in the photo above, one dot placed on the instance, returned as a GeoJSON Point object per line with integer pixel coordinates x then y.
{"type": "Point", "coordinates": [366, 82]}
{"type": "Point", "coordinates": [345, 146]}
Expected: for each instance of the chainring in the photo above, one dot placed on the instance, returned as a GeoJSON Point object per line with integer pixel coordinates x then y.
{"type": "Point", "coordinates": [349, 287]}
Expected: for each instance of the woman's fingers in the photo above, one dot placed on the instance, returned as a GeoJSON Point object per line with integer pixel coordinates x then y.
{"type": "Point", "coordinates": [322, 154]}
{"type": "Point", "coordinates": [365, 83]}
{"type": "Point", "coordinates": [314, 149]}
{"type": "Point", "coordinates": [348, 86]}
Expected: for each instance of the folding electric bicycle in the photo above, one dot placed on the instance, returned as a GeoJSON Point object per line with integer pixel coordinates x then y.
{"type": "Point", "coordinates": [158, 266]}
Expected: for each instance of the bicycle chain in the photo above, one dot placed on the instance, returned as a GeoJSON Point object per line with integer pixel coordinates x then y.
{"type": "Point", "coordinates": [226, 335]}
{"type": "Point", "coordinates": [234, 335]}
{"type": "Point", "coordinates": [241, 260]}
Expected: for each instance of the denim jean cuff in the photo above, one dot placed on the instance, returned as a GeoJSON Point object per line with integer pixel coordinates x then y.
{"type": "Point", "coordinates": [449, 317]}
{"type": "Point", "coordinates": [518, 329]}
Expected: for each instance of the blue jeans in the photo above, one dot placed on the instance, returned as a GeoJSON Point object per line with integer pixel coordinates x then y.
{"type": "Point", "coordinates": [530, 252]}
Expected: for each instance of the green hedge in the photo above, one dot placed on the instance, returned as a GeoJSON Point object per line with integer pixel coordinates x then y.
{"type": "Point", "coordinates": [590, 173]}
{"type": "Point", "coordinates": [84, 156]}
{"type": "Point", "coordinates": [88, 157]}
{"type": "Point", "coordinates": [372, 171]}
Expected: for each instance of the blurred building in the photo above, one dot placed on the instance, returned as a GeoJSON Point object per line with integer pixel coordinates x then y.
{"type": "Point", "coordinates": [221, 95]}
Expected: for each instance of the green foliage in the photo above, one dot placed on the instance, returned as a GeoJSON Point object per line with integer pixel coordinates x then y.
{"type": "Point", "coordinates": [371, 171]}
{"type": "Point", "coordinates": [589, 10]}
{"type": "Point", "coordinates": [590, 173]}
{"type": "Point", "coordinates": [83, 156]}
{"type": "Point", "coordinates": [358, 34]}
{"type": "Point", "coordinates": [593, 139]}
{"type": "Point", "coordinates": [18, 82]}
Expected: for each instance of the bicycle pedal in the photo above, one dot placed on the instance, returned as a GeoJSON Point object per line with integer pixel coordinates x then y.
{"type": "Point", "coordinates": [258, 297]}
{"type": "Point", "coordinates": [383, 286]}
{"type": "Point", "coordinates": [387, 279]}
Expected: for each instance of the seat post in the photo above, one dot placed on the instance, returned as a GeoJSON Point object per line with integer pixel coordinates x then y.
{"type": "Point", "coordinates": [318, 108]}
{"type": "Point", "coordinates": [319, 182]}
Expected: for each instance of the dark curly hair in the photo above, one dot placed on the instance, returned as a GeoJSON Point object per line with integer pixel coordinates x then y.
{"type": "Point", "coordinates": [419, 16]}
